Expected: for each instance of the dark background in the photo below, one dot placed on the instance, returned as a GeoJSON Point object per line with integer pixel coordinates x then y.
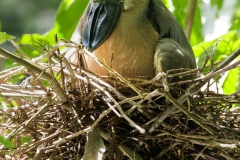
{"type": "Point", "coordinates": [19, 17]}
{"type": "Point", "coordinates": [27, 16]}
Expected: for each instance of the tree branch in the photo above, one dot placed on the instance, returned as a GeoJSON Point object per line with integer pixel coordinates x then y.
{"type": "Point", "coordinates": [190, 17]}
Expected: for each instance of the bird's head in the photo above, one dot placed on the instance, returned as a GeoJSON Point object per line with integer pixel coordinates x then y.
{"type": "Point", "coordinates": [102, 18]}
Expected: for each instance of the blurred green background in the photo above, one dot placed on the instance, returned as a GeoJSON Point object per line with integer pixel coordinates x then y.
{"type": "Point", "coordinates": [27, 16]}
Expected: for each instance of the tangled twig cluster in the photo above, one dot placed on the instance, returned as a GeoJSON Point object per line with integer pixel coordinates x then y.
{"type": "Point", "coordinates": [63, 111]}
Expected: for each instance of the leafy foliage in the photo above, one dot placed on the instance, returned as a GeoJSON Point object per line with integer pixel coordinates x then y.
{"type": "Point", "coordinates": [67, 17]}
{"type": "Point", "coordinates": [6, 143]}
{"type": "Point", "coordinates": [225, 44]}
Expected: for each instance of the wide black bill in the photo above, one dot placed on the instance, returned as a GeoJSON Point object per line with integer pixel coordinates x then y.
{"type": "Point", "coordinates": [101, 20]}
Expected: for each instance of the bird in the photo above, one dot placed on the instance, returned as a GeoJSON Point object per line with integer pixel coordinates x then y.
{"type": "Point", "coordinates": [137, 38]}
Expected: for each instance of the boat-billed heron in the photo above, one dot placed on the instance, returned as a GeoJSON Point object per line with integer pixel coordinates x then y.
{"type": "Point", "coordinates": [137, 38]}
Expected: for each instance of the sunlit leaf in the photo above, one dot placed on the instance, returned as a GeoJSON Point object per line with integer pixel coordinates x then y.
{"type": "Point", "coordinates": [225, 45]}
{"type": "Point", "coordinates": [201, 47]}
{"type": "Point", "coordinates": [67, 17]}
{"type": "Point", "coordinates": [4, 37]}
{"type": "Point", "coordinates": [166, 3]}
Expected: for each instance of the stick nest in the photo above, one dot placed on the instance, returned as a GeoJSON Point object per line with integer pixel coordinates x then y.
{"type": "Point", "coordinates": [63, 111]}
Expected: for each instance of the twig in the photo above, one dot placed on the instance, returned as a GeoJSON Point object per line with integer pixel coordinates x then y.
{"type": "Point", "coordinates": [11, 71]}
{"type": "Point", "coordinates": [185, 111]}
{"type": "Point", "coordinates": [55, 85]}
{"type": "Point", "coordinates": [113, 72]}
{"type": "Point", "coordinates": [33, 145]}
{"type": "Point", "coordinates": [228, 60]}
{"type": "Point", "coordinates": [21, 127]}
{"type": "Point", "coordinates": [193, 89]}
{"type": "Point", "coordinates": [220, 71]}
{"type": "Point", "coordinates": [132, 154]}
{"type": "Point", "coordinates": [164, 151]}
{"type": "Point", "coordinates": [19, 49]}
{"type": "Point", "coordinates": [67, 138]}
{"type": "Point", "coordinates": [141, 130]}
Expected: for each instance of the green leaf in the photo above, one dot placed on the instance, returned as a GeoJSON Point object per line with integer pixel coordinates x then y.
{"type": "Point", "coordinates": [231, 82]}
{"type": "Point", "coordinates": [7, 143]}
{"type": "Point", "coordinates": [95, 147]}
{"type": "Point", "coordinates": [236, 18]}
{"type": "Point", "coordinates": [4, 37]}
{"type": "Point", "coordinates": [31, 39]}
{"type": "Point", "coordinates": [218, 3]}
{"type": "Point", "coordinates": [68, 16]}
{"type": "Point", "coordinates": [180, 10]}
{"type": "Point", "coordinates": [25, 139]}
{"type": "Point", "coordinates": [199, 48]}
{"type": "Point", "coordinates": [225, 45]}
